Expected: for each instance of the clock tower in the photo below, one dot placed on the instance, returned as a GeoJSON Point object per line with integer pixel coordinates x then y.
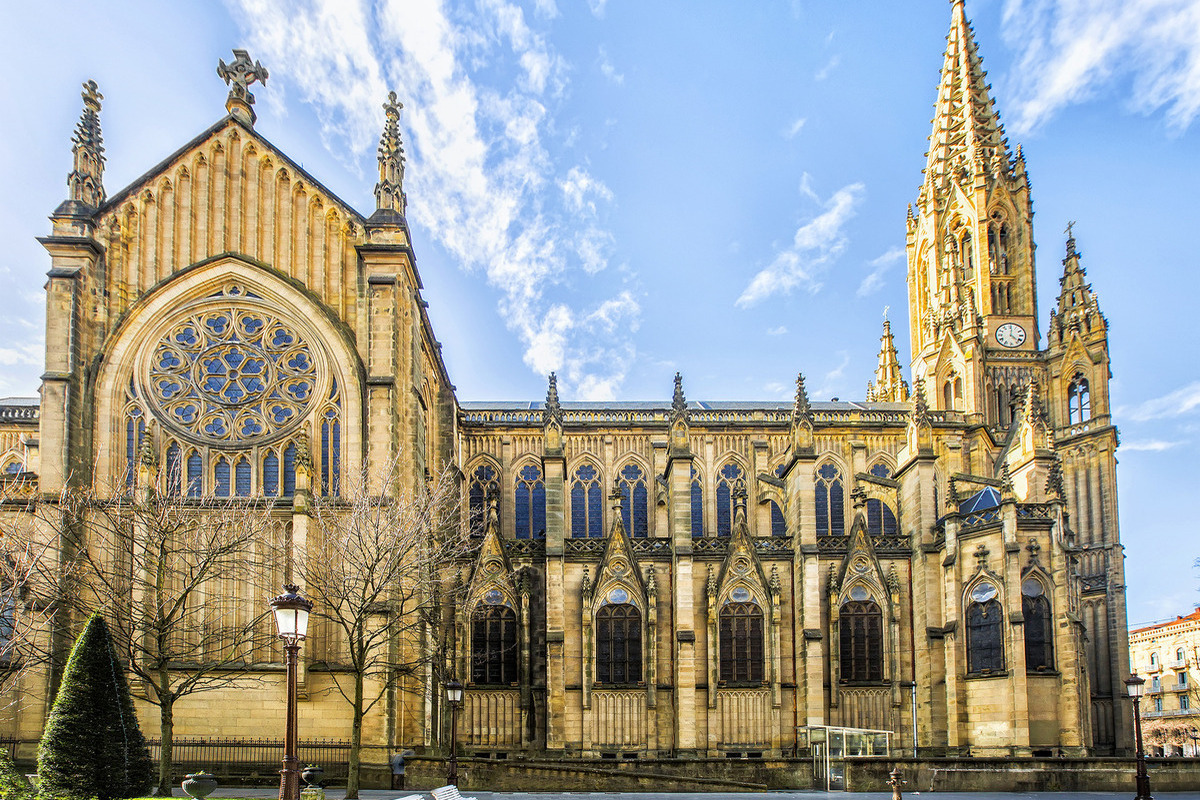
{"type": "Point", "coordinates": [972, 289]}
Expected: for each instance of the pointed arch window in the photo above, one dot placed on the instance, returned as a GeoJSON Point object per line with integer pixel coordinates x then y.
{"type": "Point", "coordinates": [174, 470]}
{"type": "Point", "coordinates": [985, 640]}
{"type": "Point", "coordinates": [635, 501]}
{"type": "Point", "coordinates": [241, 478]}
{"type": "Point", "coordinates": [830, 503]}
{"type": "Point", "coordinates": [1079, 400]}
{"type": "Point", "coordinates": [331, 453]}
{"type": "Point", "coordinates": [860, 639]}
{"type": "Point", "coordinates": [271, 474]}
{"type": "Point", "coordinates": [195, 475]}
{"type": "Point", "coordinates": [618, 644]}
{"type": "Point", "coordinates": [289, 470]}
{"type": "Point", "coordinates": [483, 484]}
{"type": "Point", "coordinates": [1039, 626]}
{"type": "Point", "coordinates": [952, 393]}
{"type": "Point", "coordinates": [530, 509]}
{"type": "Point", "coordinates": [740, 632]}
{"type": "Point", "coordinates": [221, 477]}
{"type": "Point", "coordinates": [731, 478]}
{"type": "Point", "coordinates": [135, 434]}
{"type": "Point", "coordinates": [697, 505]}
{"type": "Point", "coordinates": [778, 523]}
{"type": "Point", "coordinates": [881, 521]}
{"type": "Point", "coordinates": [494, 645]}
{"type": "Point", "coordinates": [587, 518]}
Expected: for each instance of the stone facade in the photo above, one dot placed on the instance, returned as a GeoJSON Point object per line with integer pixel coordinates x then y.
{"type": "Point", "coordinates": [699, 579]}
{"type": "Point", "coordinates": [1165, 655]}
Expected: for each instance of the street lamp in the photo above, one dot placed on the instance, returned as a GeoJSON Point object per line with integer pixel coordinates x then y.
{"type": "Point", "coordinates": [1194, 735]}
{"type": "Point", "coordinates": [291, 617]}
{"type": "Point", "coordinates": [454, 694]}
{"type": "Point", "coordinates": [1135, 685]}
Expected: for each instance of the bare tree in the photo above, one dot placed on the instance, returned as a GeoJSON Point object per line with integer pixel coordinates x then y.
{"type": "Point", "coordinates": [371, 566]}
{"type": "Point", "coordinates": [181, 581]}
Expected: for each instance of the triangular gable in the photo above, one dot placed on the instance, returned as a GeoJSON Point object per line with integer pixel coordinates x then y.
{"type": "Point", "coordinates": [618, 578]}
{"type": "Point", "coordinates": [492, 579]}
{"type": "Point", "coordinates": [741, 578]}
{"type": "Point", "coordinates": [982, 500]}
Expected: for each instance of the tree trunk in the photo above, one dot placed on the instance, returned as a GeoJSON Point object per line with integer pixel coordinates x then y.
{"type": "Point", "coordinates": [166, 733]}
{"type": "Point", "coordinates": [355, 739]}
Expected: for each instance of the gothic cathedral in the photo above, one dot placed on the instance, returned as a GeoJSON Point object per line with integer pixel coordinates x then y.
{"type": "Point", "coordinates": [663, 578]}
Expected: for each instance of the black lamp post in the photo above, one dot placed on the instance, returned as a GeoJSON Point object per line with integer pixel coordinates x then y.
{"type": "Point", "coordinates": [454, 694]}
{"type": "Point", "coordinates": [1135, 685]}
{"type": "Point", "coordinates": [1194, 735]}
{"type": "Point", "coordinates": [291, 616]}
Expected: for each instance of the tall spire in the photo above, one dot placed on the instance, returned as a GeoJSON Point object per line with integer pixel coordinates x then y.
{"type": "Point", "coordinates": [553, 410]}
{"type": "Point", "coordinates": [1078, 308]}
{"type": "Point", "coordinates": [967, 138]}
{"type": "Point", "coordinates": [389, 192]}
{"type": "Point", "coordinates": [86, 181]}
{"type": "Point", "coordinates": [889, 385]}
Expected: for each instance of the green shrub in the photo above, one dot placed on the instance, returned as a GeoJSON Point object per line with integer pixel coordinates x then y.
{"type": "Point", "coordinates": [13, 785]}
{"type": "Point", "coordinates": [92, 745]}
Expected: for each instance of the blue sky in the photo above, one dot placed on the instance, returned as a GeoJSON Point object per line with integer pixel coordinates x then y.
{"type": "Point", "coordinates": [619, 190]}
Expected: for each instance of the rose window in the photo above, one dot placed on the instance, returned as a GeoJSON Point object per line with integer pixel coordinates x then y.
{"type": "Point", "coordinates": [233, 374]}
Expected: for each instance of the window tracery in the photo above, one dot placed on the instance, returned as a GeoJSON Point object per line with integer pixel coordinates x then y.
{"type": "Point", "coordinates": [1079, 401]}
{"type": "Point", "coordinates": [586, 503]}
{"type": "Point", "coordinates": [493, 642]}
{"type": "Point", "coordinates": [881, 521]}
{"type": "Point", "coordinates": [830, 502]}
{"type": "Point", "coordinates": [530, 503]}
{"type": "Point", "coordinates": [484, 483]}
{"type": "Point", "coordinates": [860, 638]}
{"type": "Point", "coordinates": [731, 478]}
{"type": "Point", "coordinates": [697, 499]}
{"type": "Point", "coordinates": [1039, 627]}
{"type": "Point", "coordinates": [635, 501]}
{"type": "Point", "coordinates": [985, 640]}
{"type": "Point", "coordinates": [618, 643]}
{"type": "Point", "coordinates": [740, 633]}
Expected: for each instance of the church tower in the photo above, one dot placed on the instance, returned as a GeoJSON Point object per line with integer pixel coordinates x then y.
{"type": "Point", "coordinates": [972, 292]}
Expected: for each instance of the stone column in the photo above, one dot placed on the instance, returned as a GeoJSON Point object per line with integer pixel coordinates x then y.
{"type": "Point", "coordinates": [679, 514]}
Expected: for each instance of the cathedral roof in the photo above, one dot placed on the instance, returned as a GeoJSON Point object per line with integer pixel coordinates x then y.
{"type": "Point", "coordinates": [693, 405]}
{"type": "Point", "coordinates": [980, 501]}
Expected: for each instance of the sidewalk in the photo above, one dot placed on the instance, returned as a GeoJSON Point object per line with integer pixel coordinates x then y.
{"type": "Point", "coordinates": [380, 794]}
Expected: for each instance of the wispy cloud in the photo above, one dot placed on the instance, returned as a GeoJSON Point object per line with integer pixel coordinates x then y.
{"type": "Point", "coordinates": [1150, 445]}
{"type": "Point", "coordinates": [779, 331]}
{"type": "Point", "coordinates": [607, 69]}
{"type": "Point", "coordinates": [795, 128]}
{"type": "Point", "coordinates": [1174, 404]}
{"type": "Point", "coordinates": [833, 381]}
{"type": "Point", "coordinates": [825, 71]}
{"type": "Point", "coordinates": [480, 178]}
{"type": "Point", "coordinates": [815, 244]}
{"type": "Point", "coordinates": [874, 281]}
{"type": "Point", "coordinates": [598, 7]}
{"type": "Point", "coordinates": [1069, 51]}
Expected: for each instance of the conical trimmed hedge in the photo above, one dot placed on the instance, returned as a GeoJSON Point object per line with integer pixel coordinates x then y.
{"type": "Point", "coordinates": [92, 745]}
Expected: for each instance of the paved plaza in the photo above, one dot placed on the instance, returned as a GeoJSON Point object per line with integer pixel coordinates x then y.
{"type": "Point", "coordinates": [375, 794]}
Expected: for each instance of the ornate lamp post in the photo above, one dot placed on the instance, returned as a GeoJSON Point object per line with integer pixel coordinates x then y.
{"type": "Point", "coordinates": [1135, 686]}
{"type": "Point", "coordinates": [454, 694]}
{"type": "Point", "coordinates": [291, 617]}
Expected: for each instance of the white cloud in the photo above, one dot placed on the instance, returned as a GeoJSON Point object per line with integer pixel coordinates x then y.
{"type": "Point", "coordinates": [778, 331]}
{"type": "Point", "coordinates": [825, 71]}
{"type": "Point", "coordinates": [1069, 51]}
{"type": "Point", "coordinates": [833, 381]}
{"type": "Point", "coordinates": [794, 128]}
{"type": "Point", "coordinates": [874, 281]}
{"type": "Point", "coordinates": [815, 244]}
{"type": "Point", "coordinates": [776, 388]}
{"type": "Point", "coordinates": [480, 177]}
{"type": "Point", "coordinates": [1149, 445]}
{"type": "Point", "coordinates": [607, 69]}
{"type": "Point", "coordinates": [1174, 404]}
{"type": "Point", "coordinates": [597, 7]}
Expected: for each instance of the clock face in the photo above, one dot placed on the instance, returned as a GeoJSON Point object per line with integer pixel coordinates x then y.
{"type": "Point", "coordinates": [1010, 334]}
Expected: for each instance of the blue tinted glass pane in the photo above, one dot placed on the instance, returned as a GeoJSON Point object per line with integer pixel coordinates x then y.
{"type": "Point", "coordinates": [335, 467]}
{"type": "Point", "coordinates": [697, 507]}
{"type": "Point", "coordinates": [194, 467]}
{"type": "Point", "coordinates": [881, 471]}
{"type": "Point", "coordinates": [289, 471]}
{"type": "Point", "coordinates": [524, 498]}
{"type": "Point", "coordinates": [221, 478]}
{"type": "Point", "coordinates": [780, 470]}
{"type": "Point", "coordinates": [641, 502]}
{"type": "Point", "coordinates": [890, 526]}
{"type": "Point", "coordinates": [241, 476]}
{"type": "Point", "coordinates": [822, 508]}
{"type": "Point", "coordinates": [594, 512]}
{"type": "Point", "coordinates": [578, 510]}
{"type": "Point", "coordinates": [724, 507]}
{"type": "Point", "coordinates": [539, 510]}
{"type": "Point", "coordinates": [625, 508]}
{"type": "Point", "coordinates": [271, 475]}
{"type": "Point", "coordinates": [874, 518]}
{"type": "Point", "coordinates": [174, 470]}
{"type": "Point", "coordinates": [325, 457]}
{"type": "Point", "coordinates": [130, 452]}
{"type": "Point", "coordinates": [778, 524]}
{"type": "Point", "coordinates": [476, 509]}
{"type": "Point", "coordinates": [837, 514]}
{"type": "Point", "coordinates": [828, 472]}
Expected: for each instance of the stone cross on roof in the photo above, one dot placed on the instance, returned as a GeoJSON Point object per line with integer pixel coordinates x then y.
{"type": "Point", "coordinates": [239, 75]}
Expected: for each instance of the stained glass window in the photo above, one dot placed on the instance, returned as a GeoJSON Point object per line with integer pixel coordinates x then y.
{"type": "Point", "coordinates": [135, 432]}
{"type": "Point", "coordinates": [778, 523]}
{"type": "Point", "coordinates": [618, 644]}
{"type": "Point", "coordinates": [635, 501]}
{"type": "Point", "coordinates": [483, 484]}
{"type": "Point", "coordinates": [494, 645]}
{"type": "Point", "coordinates": [241, 478]}
{"type": "Point", "coordinates": [741, 642]}
{"type": "Point", "coordinates": [697, 504]}
{"type": "Point", "coordinates": [1039, 626]}
{"type": "Point", "coordinates": [289, 470]}
{"type": "Point", "coordinates": [586, 503]}
{"type": "Point", "coordinates": [860, 639]}
{"type": "Point", "coordinates": [221, 477]}
{"type": "Point", "coordinates": [331, 453]}
{"type": "Point", "coordinates": [985, 642]}
{"type": "Point", "coordinates": [731, 478]}
{"type": "Point", "coordinates": [174, 470]}
{"type": "Point", "coordinates": [830, 506]}
{"type": "Point", "coordinates": [271, 474]}
{"type": "Point", "coordinates": [530, 510]}
{"type": "Point", "coordinates": [195, 473]}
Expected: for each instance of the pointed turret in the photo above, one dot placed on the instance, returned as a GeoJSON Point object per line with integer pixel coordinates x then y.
{"type": "Point", "coordinates": [679, 420]}
{"type": "Point", "coordinates": [802, 419]}
{"type": "Point", "coordinates": [85, 184]}
{"type": "Point", "coordinates": [389, 191]}
{"type": "Point", "coordinates": [1078, 309]}
{"type": "Point", "coordinates": [552, 419]}
{"type": "Point", "coordinates": [889, 385]}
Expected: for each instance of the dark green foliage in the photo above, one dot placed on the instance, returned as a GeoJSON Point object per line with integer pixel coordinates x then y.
{"type": "Point", "coordinates": [92, 745]}
{"type": "Point", "coordinates": [13, 785]}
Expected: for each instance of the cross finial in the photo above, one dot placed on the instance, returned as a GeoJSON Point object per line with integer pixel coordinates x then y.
{"type": "Point", "coordinates": [389, 191]}
{"type": "Point", "coordinates": [1070, 231]}
{"type": "Point", "coordinates": [86, 181]}
{"type": "Point", "coordinates": [239, 75]}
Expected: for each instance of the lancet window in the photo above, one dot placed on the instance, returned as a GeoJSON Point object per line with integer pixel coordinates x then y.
{"type": "Point", "coordinates": [881, 521]}
{"type": "Point", "coordinates": [587, 520]}
{"type": "Point", "coordinates": [1079, 400]}
{"type": "Point", "coordinates": [730, 479]}
{"type": "Point", "coordinates": [860, 638]}
{"type": "Point", "coordinates": [494, 645]}
{"type": "Point", "coordinates": [530, 508]}
{"type": "Point", "coordinates": [484, 484]}
{"type": "Point", "coordinates": [778, 523]}
{"type": "Point", "coordinates": [830, 504]}
{"type": "Point", "coordinates": [985, 639]}
{"type": "Point", "coordinates": [697, 500]}
{"type": "Point", "coordinates": [635, 501]}
{"type": "Point", "coordinates": [1039, 626]}
{"type": "Point", "coordinates": [618, 644]}
{"type": "Point", "coordinates": [740, 632]}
